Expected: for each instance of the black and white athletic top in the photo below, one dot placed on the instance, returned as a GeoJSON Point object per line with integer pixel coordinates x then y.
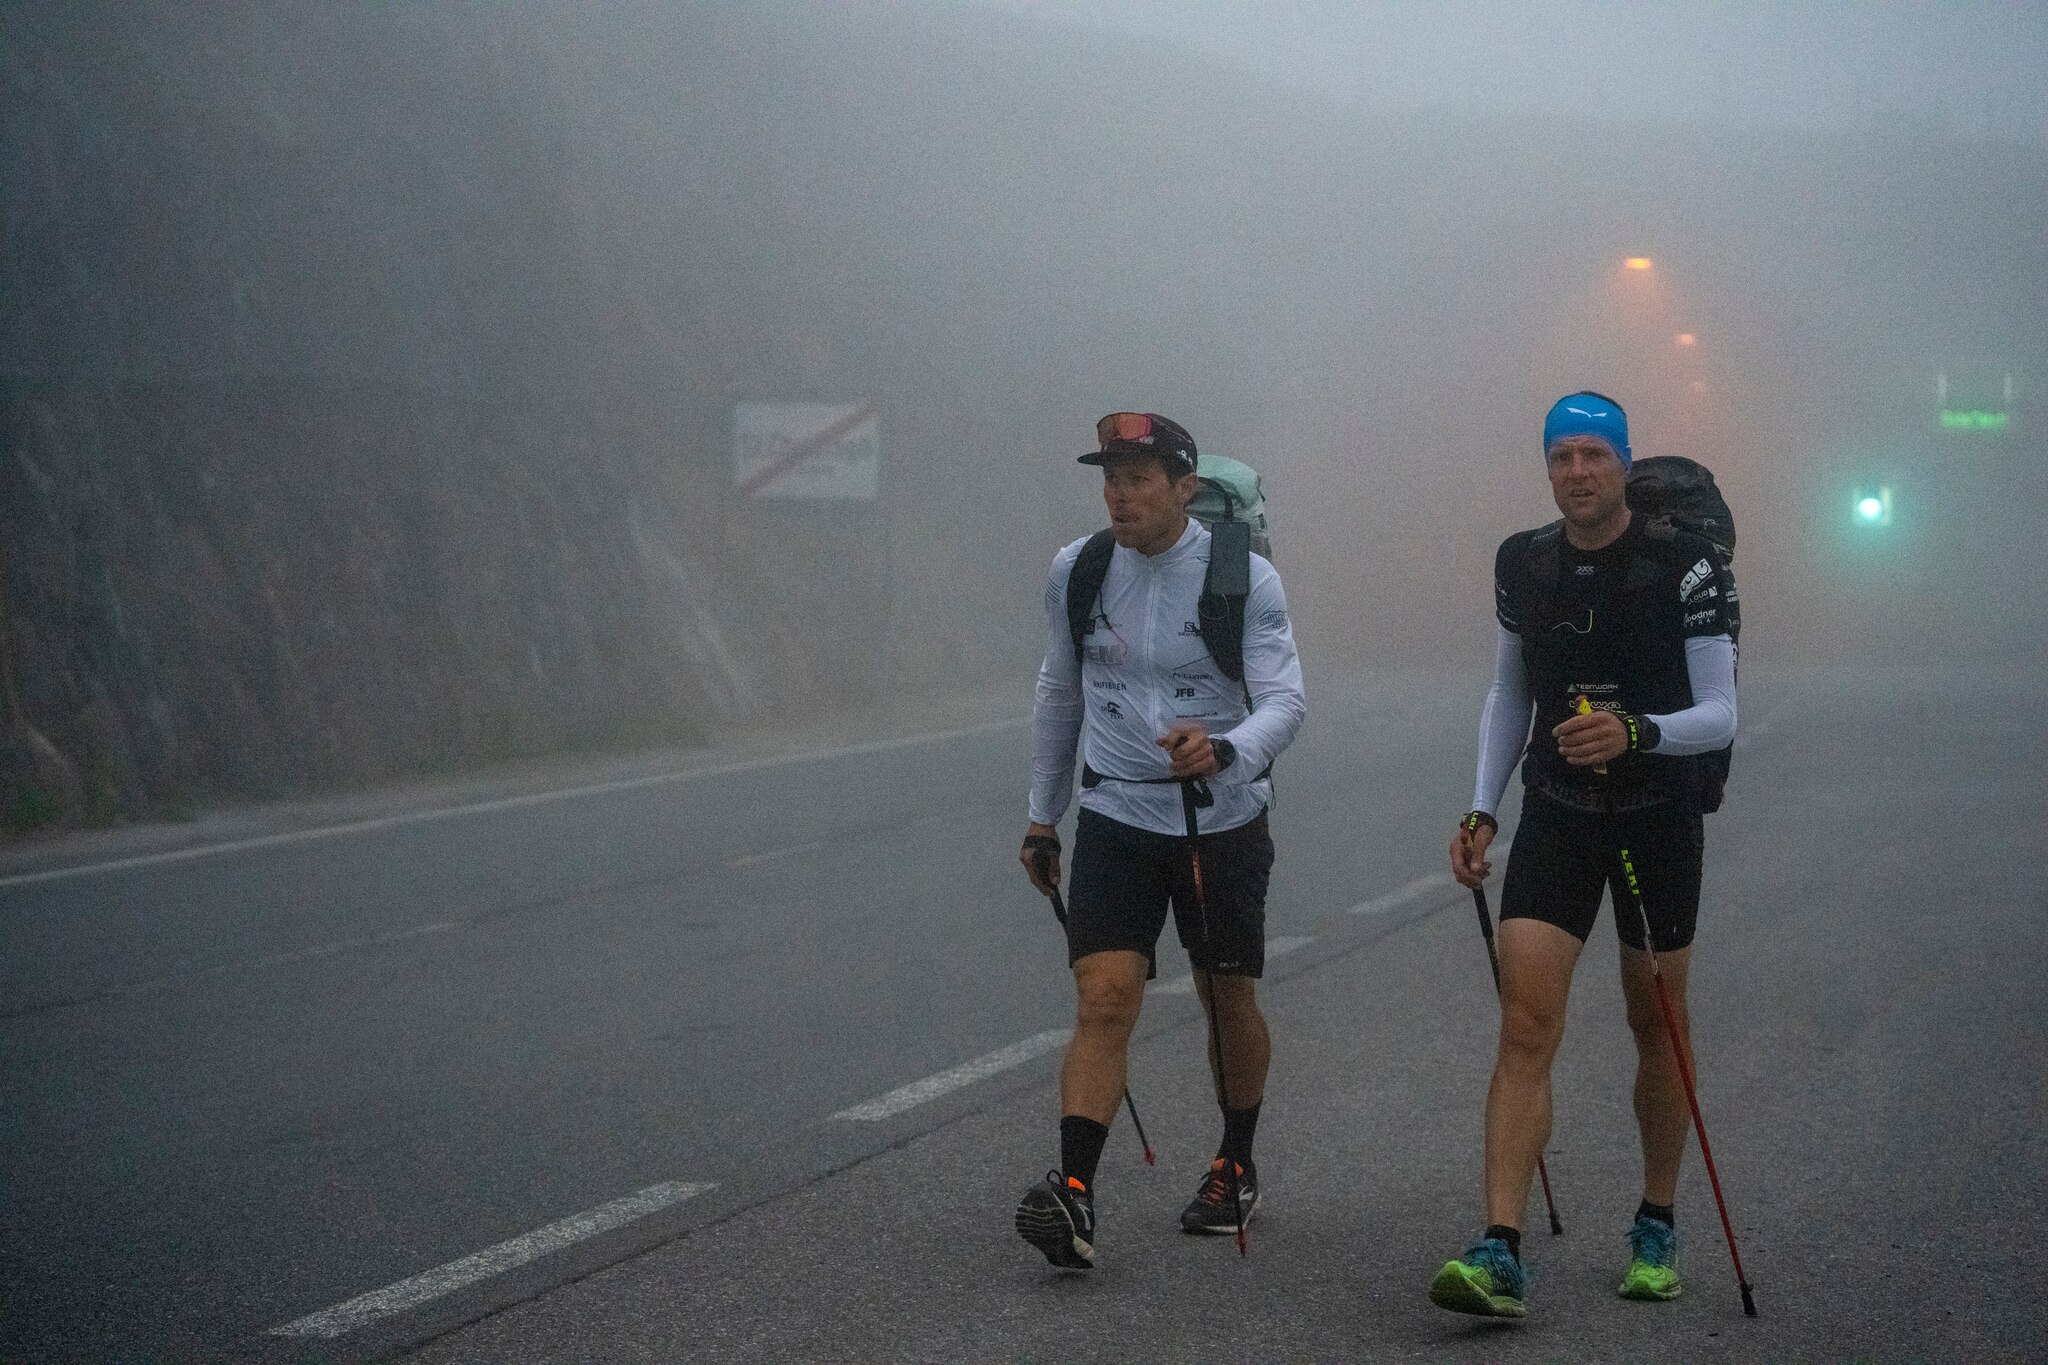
{"type": "Point", "coordinates": [1145, 666]}
{"type": "Point", "coordinates": [1638, 626]}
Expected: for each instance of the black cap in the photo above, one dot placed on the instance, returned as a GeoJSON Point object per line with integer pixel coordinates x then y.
{"type": "Point", "coordinates": [1122, 433]}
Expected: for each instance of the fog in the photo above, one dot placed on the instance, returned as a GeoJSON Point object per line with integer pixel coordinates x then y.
{"type": "Point", "coordinates": [523, 537]}
{"type": "Point", "coordinates": [549, 252]}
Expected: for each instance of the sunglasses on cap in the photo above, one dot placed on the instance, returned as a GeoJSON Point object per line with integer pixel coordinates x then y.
{"type": "Point", "coordinates": [1127, 428]}
{"type": "Point", "coordinates": [1147, 431]}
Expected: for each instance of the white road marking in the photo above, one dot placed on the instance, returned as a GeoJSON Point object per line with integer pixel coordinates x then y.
{"type": "Point", "coordinates": [382, 1303]}
{"type": "Point", "coordinates": [967, 1073]}
{"type": "Point", "coordinates": [382, 822]}
{"type": "Point", "coordinates": [1185, 985]}
{"type": "Point", "coordinates": [755, 859]}
{"type": "Point", "coordinates": [1404, 895]}
{"type": "Point", "coordinates": [329, 949]}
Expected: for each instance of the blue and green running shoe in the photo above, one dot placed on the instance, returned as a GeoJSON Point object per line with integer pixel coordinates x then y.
{"type": "Point", "coordinates": [1653, 1265]}
{"type": "Point", "coordinates": [1488, 1282]}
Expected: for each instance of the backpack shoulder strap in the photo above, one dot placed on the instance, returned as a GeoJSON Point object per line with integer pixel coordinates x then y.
{"type": "Point", "coordinates": [1660, 545]}
{"type": "Point", "coordinates": [1084, 584]}
{"type": "Point", "coordinates": [1225, 586]}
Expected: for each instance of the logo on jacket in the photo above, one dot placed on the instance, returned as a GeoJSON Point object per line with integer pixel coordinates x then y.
{"type": "Point", "coordinates": [1696, 575]}
{"type": "Point", "coordinates": [1190, 628]}
{"type": "Point", "coordinates": [1112, 710]}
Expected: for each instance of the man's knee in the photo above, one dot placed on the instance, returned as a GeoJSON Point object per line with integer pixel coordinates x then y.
{"type": "Point", "coordinates": [1108, 995]}
{"type": "Point", "coordinates": [1235, 998]}
{"type": "Point", "coordinates": [1530, 1031]}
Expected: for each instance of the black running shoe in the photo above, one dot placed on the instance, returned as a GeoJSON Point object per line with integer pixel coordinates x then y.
{"type": "Point", "coordinates": [1057, 1215]}
{"type": "Point", "coordinates": [1213, 1210]}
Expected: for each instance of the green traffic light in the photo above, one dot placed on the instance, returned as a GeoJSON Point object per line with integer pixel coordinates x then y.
{"type": "Point", "coordinates": [1874, 509]}
{"type": "Point", "coordinates": [1870, 509]}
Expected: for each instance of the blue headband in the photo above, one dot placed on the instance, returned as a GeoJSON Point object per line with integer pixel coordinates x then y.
{"type": "Point", "coordinates": [1587, 414]}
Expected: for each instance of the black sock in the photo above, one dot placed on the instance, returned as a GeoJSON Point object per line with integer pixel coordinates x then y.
{"type": "Point", "coordinates": [1661, 1212]}
{"type": "Point", "coordinates": [1238, 1127]}
{"type": "Point", "coordinates": [1081, 1142]}
{"type": "Point", "coordinates": [1512, 1236]}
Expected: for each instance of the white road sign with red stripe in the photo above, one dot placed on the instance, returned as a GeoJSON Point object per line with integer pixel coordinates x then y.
{"type": "Point", "coordinates": [807, 450]}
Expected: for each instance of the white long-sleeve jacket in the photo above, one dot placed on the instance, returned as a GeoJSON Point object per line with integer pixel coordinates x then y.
{"type": "Point", "coordinates": [1145, 667]}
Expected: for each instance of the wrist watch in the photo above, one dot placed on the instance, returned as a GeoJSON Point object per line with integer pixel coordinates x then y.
{"type": "Point", "coordinates": [1225, 751]}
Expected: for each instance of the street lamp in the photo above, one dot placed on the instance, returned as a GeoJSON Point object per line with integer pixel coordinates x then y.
{"type": "Point", "coordinates": [1636, 263]}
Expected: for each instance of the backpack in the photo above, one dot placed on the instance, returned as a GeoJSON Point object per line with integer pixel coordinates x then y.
{"type": "Point", "coordinates": [1231, 491]}
{"type": "Point", "coordinates": [1681, 493]}
{"type": "Point", "coordinates": [1232, 504]}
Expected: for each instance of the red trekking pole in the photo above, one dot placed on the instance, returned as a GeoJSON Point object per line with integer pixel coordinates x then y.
{"type": "Point", "coordinates": [1699, 1125]}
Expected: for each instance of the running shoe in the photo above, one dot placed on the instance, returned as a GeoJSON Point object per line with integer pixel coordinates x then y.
{"type": "Point", "coordinates": [1057, 1215]}
{"type": "Point", "coordinates": [1653, 1264]}
{"type": "Point", "coordinates": [1488, 1282]}
{"type": "Point", "coordinates": [1213, 1210]}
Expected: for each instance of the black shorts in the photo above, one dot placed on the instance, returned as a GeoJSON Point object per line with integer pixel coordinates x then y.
{"type": "Point", "coordinates": [1562, 859]}
{"type": "Point", "coordinates": [1124, 877]}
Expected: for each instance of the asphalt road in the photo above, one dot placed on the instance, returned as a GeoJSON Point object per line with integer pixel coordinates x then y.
{"type": "Point", "coordinates": [248, 1088]}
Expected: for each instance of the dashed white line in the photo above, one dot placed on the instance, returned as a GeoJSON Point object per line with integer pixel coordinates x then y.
{"type": "Point", "coordinates": [382, 1303]}
{"type": "Point", "coordinates": [967, 1073]}
{"type": "Point", "coordinates": [1402, 895]}
{"type": "Point", "coordinates": [755, 859]}
{"type": "Point", "coordinates": [1435, 882]}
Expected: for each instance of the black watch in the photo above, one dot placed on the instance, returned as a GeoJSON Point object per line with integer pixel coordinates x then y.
{"type": "Point", "coordinates": [1225, 751]}
{"type": "Point", "coordinates": [1643, 734]}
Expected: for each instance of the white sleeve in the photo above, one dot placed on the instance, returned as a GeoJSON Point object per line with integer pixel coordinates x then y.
{"type": "Point", "coordinates": [1272, 679]}
{"type": "Point", "coordinates": [1709, 723]}
{"type": "Point", "coordinates": [1503, 723]}
{"type": "Point", "coordinates": [1056, 712]}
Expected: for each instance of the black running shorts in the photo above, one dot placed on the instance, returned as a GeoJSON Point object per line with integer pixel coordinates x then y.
{"type": "Point", "coordinates": [1563, 859]}
{"type": "Point", "coordinates": [1125, 877]}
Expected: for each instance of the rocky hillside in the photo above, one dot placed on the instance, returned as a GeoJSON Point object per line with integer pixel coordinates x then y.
{"type": "Point", "coordinates": [314, 462]}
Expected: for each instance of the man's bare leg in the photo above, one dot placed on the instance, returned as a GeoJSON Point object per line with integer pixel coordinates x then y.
{"type": "Point", "coordinates": [1661, 1112]}
{"type": "Point", "coordinates": [1109, 989]}
{"type": "Point", "coordinates": [1536, 962]}
{"type": "Point", "coordinates": [1246, 1044]}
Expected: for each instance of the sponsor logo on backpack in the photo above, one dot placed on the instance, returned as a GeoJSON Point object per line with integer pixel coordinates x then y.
{"type": "Point", "coordinates": [1696, 575]}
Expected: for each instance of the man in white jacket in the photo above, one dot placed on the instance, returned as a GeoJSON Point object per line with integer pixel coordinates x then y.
{"type": "Point", "coordinates": [1166, 737]}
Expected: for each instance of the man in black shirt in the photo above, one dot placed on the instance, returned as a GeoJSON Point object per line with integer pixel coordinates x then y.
{"type": "Point", "coordinates": [1615, 633]}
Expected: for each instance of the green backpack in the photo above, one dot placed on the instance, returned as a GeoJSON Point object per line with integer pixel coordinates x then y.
{"type": "Point", "coordinates": [1231, 491]}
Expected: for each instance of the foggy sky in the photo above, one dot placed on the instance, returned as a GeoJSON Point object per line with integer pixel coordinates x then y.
{"type": "Point", "coordinates": [1978, 68]}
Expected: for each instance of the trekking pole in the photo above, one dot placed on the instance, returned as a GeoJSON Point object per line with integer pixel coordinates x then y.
{"type": "Point", "coordinates": [1692, 1101]}
{"type": "Point", "coordinates": [1043, 858]}
{"type": "Point", "coordinates": [1493, 960]}
{"type": "Point", "coordinates": [1189, 805]}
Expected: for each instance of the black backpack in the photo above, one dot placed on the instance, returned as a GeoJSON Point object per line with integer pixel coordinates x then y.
{"type": "Point", "coordinates": [1225, 586]}
{"type": "Point", "coordinates": [1681, 493]}
{"type": "Point", "coordinates": [1673, 491]}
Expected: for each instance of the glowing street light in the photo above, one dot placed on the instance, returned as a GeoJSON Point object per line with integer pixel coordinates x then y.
{"type": "Point", "coordinates": [1687, 339]}
{"type": "Point", "coordinates": [1636, 263]}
